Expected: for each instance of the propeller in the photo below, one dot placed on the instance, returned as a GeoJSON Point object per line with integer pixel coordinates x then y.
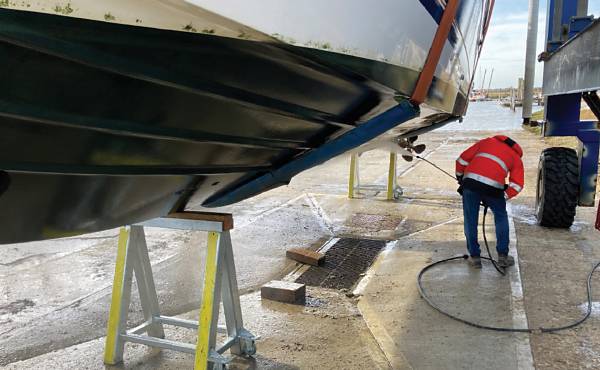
{"type": "Point", "coordinates": [408, 144]}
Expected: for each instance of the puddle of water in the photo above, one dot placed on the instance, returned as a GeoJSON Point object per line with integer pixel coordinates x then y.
{"type": "Point", "coordinates": [527, 215]}
{"type": "Point", "coordinates": [578, 226]}
{"type": "Point", "coordinates": [374, 222]}
{"type": "Point", "coordinates": [595, 308]}
{"type": "Point", "coordinates": [524, 214]}
{"type": "Point", "coordinates": [315, 302]}
{"type": "Point", "coordinates": [16, 306]}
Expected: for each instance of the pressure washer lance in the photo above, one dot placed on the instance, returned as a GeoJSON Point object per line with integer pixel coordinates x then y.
{"type": "Point", "coordinates": [503, 272]}
{"type": "Point", "coordinates": [435, 165]}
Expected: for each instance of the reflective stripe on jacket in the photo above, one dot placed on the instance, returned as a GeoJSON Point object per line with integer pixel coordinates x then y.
{"type": "Point", "coordinates": [490, 161]}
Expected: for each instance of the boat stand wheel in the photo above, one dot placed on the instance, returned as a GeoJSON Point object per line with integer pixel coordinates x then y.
{"type": "Point", "coordinates": [248, 347]}
{"type": "Point", "coordinates": [398, 192]}
{"type": "Point", "coordinates": [557, 187]}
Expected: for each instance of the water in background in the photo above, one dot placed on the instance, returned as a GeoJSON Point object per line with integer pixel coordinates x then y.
{"type": "Point", "coordinates": [488, 116]}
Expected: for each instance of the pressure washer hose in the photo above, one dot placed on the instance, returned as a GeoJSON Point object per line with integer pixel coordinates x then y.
{"type": "Point", "coordinates": [502, 272]}
{"type": "Point", "coordinates": [497, 328]}
{"type": "Point", "coordinates": [485, 210]}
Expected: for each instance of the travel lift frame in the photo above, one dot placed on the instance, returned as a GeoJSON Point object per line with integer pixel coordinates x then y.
{"type": "Point", "coordinates": [567, 178]}
{"type": "Point", "coordinates": [220, 283]}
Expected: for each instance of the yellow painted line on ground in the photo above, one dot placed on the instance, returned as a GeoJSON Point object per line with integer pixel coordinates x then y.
{"type": "Point", "coordinates": [206, 311]}
{"type": "Point", "coordinates": [115, 305]}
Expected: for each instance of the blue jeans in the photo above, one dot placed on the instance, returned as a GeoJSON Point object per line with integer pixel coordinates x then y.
{"type": "Point", "coordinates": [471, 201]}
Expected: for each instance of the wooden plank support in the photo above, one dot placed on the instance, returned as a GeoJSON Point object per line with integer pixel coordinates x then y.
{"type": "Point", "coordinates": [225, 218]}
{"type": "Point", "coordinates": [306, 256]}
{"type": "Point", "coordinates": [284, 291]}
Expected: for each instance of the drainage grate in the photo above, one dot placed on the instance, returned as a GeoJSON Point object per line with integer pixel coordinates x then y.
{"type": "Point", "coordinates": [345, 261]}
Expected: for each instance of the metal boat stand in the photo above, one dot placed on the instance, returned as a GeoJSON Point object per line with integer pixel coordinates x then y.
{"type": "Point", "coordinates": [220, 283]}
{"type": "Point", "coordinates": [394, 191]}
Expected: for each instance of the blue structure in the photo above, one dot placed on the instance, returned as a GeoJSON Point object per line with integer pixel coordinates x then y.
{"type": "Point", "coordinates": [570, 74]}
{"type": "Point", "coordinates": [367, 131]}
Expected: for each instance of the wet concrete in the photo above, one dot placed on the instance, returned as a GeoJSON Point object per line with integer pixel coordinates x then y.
{"type": "Point", "coordinates": [547, 290]}
{"type": "Point", "coordinates": [481, 296]}
{"type": "Point", "coordinates": [292, 341]}
{"type": "Point", "coordinates": [67, 282]}
{"type": "Point", "coordinates": [54, 296]}
{"type": "Point", "coordinates": [410, 332]}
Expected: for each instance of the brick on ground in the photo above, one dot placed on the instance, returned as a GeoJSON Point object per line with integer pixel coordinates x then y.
{"type": "Point", "coordinates": [306, 256]}
{"type": "Point", "coordinates": [284, 291]}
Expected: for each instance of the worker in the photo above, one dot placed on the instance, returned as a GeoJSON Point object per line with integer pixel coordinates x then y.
{"type": "Point", "coordinates": [481, 171]}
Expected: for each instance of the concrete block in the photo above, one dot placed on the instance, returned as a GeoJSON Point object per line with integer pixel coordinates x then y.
{"type": "Point", "coordinates": [284, 291]}
{"type": "Point", "coordinates": [306, 256]}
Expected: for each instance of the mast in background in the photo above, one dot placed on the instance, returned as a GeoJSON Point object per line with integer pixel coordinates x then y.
{"type": "Point", "coordinates": [490, 83]}
{"type": "Point", "coordinates": [483, 81]}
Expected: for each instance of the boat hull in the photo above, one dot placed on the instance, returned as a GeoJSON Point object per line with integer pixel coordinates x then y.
{"type": "Point", "coordinates": [104, 124]}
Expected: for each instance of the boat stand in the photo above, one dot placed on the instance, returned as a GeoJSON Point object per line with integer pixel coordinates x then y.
{"type": "Point", "coordinates": [394, 191]}
{"type": "Point", "coordinates": [220, 283]}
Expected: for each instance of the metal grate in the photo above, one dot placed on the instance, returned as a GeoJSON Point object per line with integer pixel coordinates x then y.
{"type": "Point", "coordinates": [345, 262]}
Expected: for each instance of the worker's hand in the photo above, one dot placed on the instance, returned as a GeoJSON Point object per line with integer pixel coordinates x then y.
{"type": "Point", "coordinates": [506, 196]}
{"type": "Point", "coordinates": [459, 178]}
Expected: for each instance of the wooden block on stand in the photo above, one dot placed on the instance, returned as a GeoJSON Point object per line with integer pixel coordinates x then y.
{"type": "Point", "coordinates": [284, 291]}
{"type": "Point", "coordinates": [306, 256]}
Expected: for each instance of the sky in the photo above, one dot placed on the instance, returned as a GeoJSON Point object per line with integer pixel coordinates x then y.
{"type": "Point", "coordinates": [504, 48]}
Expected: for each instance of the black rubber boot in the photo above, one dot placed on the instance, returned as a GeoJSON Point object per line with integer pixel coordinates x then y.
{"type": "Point", "coordinates": [505, 261]}
{"type": "Point", "coordinates": [475, 262]}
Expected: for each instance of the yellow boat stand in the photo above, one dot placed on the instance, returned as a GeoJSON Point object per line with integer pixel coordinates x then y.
{"type": "Point", "coordinates": [219, 283]}
{"type": "Point", "coordinates": [354, 181]}
{"type": "Point", "coordinates": [393, 192]}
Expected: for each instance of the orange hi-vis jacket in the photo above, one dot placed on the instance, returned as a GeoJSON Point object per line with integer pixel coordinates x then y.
{"type": "Point", "coordinates": [490, 161]}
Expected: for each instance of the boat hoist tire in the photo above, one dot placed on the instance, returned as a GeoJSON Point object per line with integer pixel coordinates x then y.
{"type": "Point", "coordinates": [557, 187]}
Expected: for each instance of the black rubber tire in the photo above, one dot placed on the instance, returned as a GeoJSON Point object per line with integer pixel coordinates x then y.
{"type": "Point", "coordinates": [557, 187]}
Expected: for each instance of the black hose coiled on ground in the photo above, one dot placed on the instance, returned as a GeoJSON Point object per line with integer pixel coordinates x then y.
{"type": "Point", "coordinates": [496, 328]}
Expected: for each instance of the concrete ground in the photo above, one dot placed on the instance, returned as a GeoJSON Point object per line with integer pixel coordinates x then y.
{"type": "Point", "coordinates": [54, 296]}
